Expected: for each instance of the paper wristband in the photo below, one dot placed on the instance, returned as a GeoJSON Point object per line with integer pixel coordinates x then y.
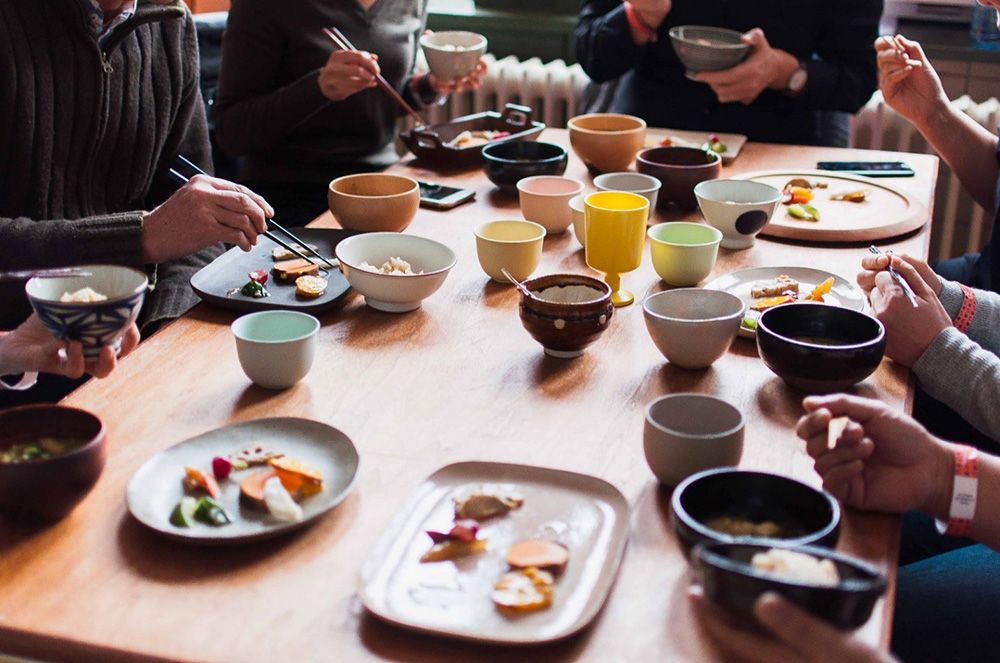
{"type": "Point", "coordinates": [963, 495]}
{"type": "Point", "coordinates": [27, 381]}
{"type": "Point", "coordinates": [637, 23]}
{"type": "Point", "coordinates": [968, 310]}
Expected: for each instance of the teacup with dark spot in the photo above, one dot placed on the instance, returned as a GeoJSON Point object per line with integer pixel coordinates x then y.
{"type": "Point", "coordinates": [739, 208]}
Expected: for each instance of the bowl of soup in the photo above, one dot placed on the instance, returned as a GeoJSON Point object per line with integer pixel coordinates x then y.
{"type": "Point", "coordinates": [50, 458]}
{"type": "Point", "coordinates": [566, 313]}
{"type": "Point", "coordinates": [820, 348]}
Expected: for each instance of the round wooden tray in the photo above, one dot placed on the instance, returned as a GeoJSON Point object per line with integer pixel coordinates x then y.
{"type": "Point", "coordinates": [888, 212]}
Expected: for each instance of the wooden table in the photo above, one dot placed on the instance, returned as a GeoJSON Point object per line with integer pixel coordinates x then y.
{"type": "Point", "coordinates": [456, 380]}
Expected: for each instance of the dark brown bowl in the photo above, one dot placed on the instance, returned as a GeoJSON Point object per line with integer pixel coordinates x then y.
{"type": "Point", "coordinates": [46, 490]}
{"type": "Point", "coordinates": [679, 170]}
{"type": "Point", "coordinates": [566, 329]}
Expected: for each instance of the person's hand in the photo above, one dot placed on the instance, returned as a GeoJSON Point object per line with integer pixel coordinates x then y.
{"type": "Point", "coordinates": [798, 636]}
{"type": "Point", "coordinates": [652, 12]}
{"type": "Point", "coordinates": [874, 264]}
{"type": "Point", "coordinates": [909, 330]}
{"type": "Point", "coordinates": [348, 72]}
{"type": "Point", "coordinates": [883, 461]}
{"type": "Point", "coordinates": [471, 82]}
{"type": "Point", "coordinates": [908, 82]}
{"type": "Point", "coordinates": [31, 348]}
{"type": "Point", "coordinates": [764, 68]}
{"type": "Point", "coordinates": [204, 211]}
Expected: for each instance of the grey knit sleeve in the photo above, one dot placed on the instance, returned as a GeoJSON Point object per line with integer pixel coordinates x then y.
{"type": "Point", "coordinates": [985, 327]}
{"type": "Point", "coordinates": [958, 372]}
{"type": "Point", "coordinates": [109, 238]}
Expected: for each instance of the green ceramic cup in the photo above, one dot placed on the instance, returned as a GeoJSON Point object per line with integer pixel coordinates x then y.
{"type": "Point", "coordinates": [684, 253]}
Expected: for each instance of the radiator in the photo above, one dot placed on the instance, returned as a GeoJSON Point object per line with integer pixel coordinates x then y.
{"type": "Point", "coordinates": [959, 225]}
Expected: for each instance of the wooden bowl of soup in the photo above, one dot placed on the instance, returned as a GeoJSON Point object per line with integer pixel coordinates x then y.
{"type": "Point", "coordinates": [50, 458]}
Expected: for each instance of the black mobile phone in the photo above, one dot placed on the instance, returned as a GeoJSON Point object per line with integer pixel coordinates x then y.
{"type": "Point", "coordinates": [440, 196]}
{"type": "Point", "coordinates": [869, 168]}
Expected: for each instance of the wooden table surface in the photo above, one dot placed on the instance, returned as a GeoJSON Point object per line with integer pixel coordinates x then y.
{"type": "Point", "coordinates": [458, 379]}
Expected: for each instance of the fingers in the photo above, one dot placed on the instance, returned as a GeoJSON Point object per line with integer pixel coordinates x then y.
{"type": "Point", "coordinates": [363, 61]}
{"type": "Point", "coordinates": [129, 341]}
{"type": "Point", "coordinates": [838, 479]}
{"type": "Point", "coordinates": [855, 408]}
{"type": "Point", "coordinates": [246, 207]}
{"type": "Point", "coordinates": [912, 276]}
{"type": "Point", "coordinates": [811, 636]}
{"type": "Point", "coordinates": [72, 365]}
{"type": "Point", "coordinates": [913, 49]}
{"type": "Point", "coordinates": [257, 199]}
{"type": "Point", "coordinates": [843, 454]}
{"type": "Point", "coordinates": [755, 37]}
{"type": "Point", "coordinates": [735, 641]}
{"type": "Point", "coordinates": [104, 364]}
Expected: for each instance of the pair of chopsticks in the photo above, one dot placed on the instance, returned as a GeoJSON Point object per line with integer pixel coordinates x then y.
{"type": "Point", "coordinates": [24, 274]}
{"type": "Point", "coordinates": [907, 290]}
{"type": "Point", "coordinates": [901, 50]}
{"type": "Point", "coordinates": [341, 42]}
{"type": "Point", "coordinates": [181, 179]}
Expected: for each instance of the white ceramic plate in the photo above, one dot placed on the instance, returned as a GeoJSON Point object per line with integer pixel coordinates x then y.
{"type": "Point", "coordinates": [681, 138]}
{"type": "Point", "coordinates": [156, 487]}
{"type": "Point", "coordinates": [740, 283]}
{"type": "Point", "coordinates": [587, 515]}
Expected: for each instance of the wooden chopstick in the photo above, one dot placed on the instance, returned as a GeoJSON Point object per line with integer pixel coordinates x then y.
{"type": "Point", "coordinates": [339, 40]}
{"type": "Point", "coordinates": [193, 166]}
{"type": "Point", "coordinates": [180, 179]}
{"type": "Point", "coordinates": [834, 430]}
{"type": "Point", "coordinates": [24, 274]}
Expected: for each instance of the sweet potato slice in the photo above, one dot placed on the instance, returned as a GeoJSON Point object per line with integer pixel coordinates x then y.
{"type": "Point", "coordinates": [540, 553]}
{"type": "Point", "coordinates": [252, 489]}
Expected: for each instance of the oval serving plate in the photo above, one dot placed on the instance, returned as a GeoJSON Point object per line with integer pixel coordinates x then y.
{"type": "Point", "coordinates": [740, 283]}
{"type": "Point", "coordinates": [155, 488]}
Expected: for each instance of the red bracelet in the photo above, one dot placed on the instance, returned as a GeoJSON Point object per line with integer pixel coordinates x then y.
{"type": "Point", "coordinates": [968, 310]}
{"type": "Point", "coordinates": [963, 494]}
{"type": "Point", "coordinates": [638, 24]}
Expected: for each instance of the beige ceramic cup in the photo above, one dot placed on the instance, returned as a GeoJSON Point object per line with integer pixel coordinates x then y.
{"type": "Point", "coordinates": [514, 245]}
{"type": "Point", "coordinates": [276, 348]}
{"type": "Point", "coordinates": [579, 217]}
{"type": "Point", "coordinates": [545, 200]}
{"type": "Point", "coordinates": [683, 253]}
{"type": "Point", "coordinates": [688, 433]}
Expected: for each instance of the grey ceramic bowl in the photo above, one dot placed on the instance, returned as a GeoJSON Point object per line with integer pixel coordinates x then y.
{"type": "Point", "coordinates": [94, 324]}
{"type": "Point", "coordinates": [702, 48]}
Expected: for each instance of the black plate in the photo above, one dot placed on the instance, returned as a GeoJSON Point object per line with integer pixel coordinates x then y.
{"type": "Point", "coordinates": [230, 270]}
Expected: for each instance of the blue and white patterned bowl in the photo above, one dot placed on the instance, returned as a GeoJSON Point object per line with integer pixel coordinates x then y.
{"type": "Point", "coordinates": [94, 324]}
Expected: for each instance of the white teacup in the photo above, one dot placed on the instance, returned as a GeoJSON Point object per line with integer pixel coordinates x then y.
{"type": "Point", "coordinates": [276, 348]}
{"type": "Point", "coordinates": [646, 186]}
{"type": "Point", "coordinates": [693, 327]}
{"type": "Point", "coordinates": [688, 433]}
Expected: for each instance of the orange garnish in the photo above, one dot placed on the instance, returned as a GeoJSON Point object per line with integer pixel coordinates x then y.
{"type": "Point", "coordinates": [296, 477]}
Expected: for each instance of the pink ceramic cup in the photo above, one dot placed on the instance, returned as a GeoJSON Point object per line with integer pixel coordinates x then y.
{"type": "Point", "coordinates": [545, 200]}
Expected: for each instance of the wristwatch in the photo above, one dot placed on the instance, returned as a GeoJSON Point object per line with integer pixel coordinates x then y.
{"type": "Point", "coordinates": [797, 81]}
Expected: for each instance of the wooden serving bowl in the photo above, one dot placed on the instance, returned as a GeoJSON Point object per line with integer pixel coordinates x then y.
{"type": "Point", "coordinates": [47, 490]}
{"type": "Point", "coordinates": [607, 142]}
{"type": "Point", "coordinates": [374, 201]}
{"type": "Point", "coordinates": [565, 328]}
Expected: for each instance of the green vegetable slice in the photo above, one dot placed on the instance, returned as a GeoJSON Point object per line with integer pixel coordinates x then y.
{"type": "Point", "coordinates": [183, 513]}
{"type": "Point", "coordinates": [211, 512]}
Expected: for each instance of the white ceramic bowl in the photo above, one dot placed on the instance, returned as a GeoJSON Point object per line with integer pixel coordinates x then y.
{"type": "Point", "coordinates": [646, 186]}
{"type": "Point", "coordinates": [687, 433]}
{"type": "Point", "coordinates": [739, 208]}
{"type": "Point", "coordinates": [579, 218]}
{"type": "Point", "coordinates": [453, 54]}
{"type": "Point", "coordinates": [545, 200]}
{"type": "Point", "coordinates": [692, 327]}
{"type": "Point", "coordinates": [276, 348]}
{"type": "Point", "coordinates": [395, 293]}
{"type": "Point", "coordinates": [94, 324]}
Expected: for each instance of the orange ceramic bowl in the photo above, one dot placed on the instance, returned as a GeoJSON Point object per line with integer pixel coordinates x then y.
{"type": "Point", "coordinates": [607, 142]}
{"type": "Point", "coordinates": [374, 201]}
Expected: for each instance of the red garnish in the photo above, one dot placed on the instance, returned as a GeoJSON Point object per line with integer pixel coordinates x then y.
{"type": "Point", "coordinates": [714, 138]}
{"type": "Point", "coordinates": [463, 530]}
{"type": "Point", "coordinates": [260, 276]}
{"type": "Point", "coordinates": [221, 467]}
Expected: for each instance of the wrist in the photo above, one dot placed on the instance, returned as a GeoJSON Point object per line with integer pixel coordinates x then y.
{"type": "Point", "coordinates": [643, 31]}
{"type": "Point", "coordinates": [942, 471]}
{"type": "Point", "coordinates": [784, 65]}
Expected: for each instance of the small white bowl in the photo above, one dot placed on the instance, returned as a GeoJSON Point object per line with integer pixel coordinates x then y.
{"type": "Point", "coordinates": [739, 208]}
{"type": "Point", "coordinates": [453, 54]}
{"type": "Point", "coordinates": [693, 327]}
{"type": "Point", "coordinates": [545, 200]}
{"type": "Point", "coordinates": [579, 218]}
{"type": "Point", "coordinates": [687, 433]}
{"type": "Point", "coordinates": [646, 186]}
{"type": "Point", "coordinates": [395, 293]}
{"type": "Point", "coordinates": [276, 348]}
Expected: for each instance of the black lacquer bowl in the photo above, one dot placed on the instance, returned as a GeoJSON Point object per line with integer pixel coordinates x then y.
{"type": "Point", "coordinates": [508, 163]}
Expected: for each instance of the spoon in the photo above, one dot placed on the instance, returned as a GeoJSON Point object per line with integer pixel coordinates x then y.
{"type": "Point", "coordinates": [520, 286]}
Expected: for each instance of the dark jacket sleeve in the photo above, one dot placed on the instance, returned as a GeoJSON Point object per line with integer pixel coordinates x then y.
{"type": "Point", "coordinates": [843, 75]}
{"type": "Point", "coordinates": [250, 114]}
{"type": "Point", "coordinates": [604, 45]}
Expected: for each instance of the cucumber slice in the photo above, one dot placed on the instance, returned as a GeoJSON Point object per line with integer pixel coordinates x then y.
{"type": "Point", "coordinates": [183, 513]}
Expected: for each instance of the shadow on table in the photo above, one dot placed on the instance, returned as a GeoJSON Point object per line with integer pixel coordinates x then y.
{"type": "Point", "coordinates": [775, 396]}
{"type": "Point", "coordinates": [369, 329]}
{"type": "Point", "coordinates": [157, 558]}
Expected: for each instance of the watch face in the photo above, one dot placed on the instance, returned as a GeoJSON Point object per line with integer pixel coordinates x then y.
{"type": "Point", "coordinates": [797, 81]}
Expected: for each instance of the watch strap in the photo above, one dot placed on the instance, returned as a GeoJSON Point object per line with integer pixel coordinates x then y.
{"type": "Point", "coordinates": [639, 25]}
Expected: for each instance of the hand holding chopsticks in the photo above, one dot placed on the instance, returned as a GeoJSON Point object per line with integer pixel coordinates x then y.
{"type": "Point", "coordinates": [907, 290]}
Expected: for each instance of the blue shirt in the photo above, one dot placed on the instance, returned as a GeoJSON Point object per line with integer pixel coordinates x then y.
{"type": "Point", "coordinates": [95, 15]}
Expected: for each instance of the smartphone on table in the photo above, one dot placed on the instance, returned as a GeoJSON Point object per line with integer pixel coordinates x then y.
{"type": "Point", "coordinates": [440, 196]}
{"type": "Point", "coordinates": [869, 168]}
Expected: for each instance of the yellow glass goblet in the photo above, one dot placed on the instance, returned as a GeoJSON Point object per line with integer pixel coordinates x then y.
{"type": "Point", "coordinates": [615, 236]}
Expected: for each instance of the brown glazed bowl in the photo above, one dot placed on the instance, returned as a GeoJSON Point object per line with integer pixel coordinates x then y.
{"type": "Point", "coordinates": [679, 169]}
{"type": "Point", "coordinates": [562, 315]}
{"type": "Point", "coordinates": [607, 142]}
{"type": "Point", "coordinates": [46, 490]}
{"type": "Point", "coordinates": [374, 202]}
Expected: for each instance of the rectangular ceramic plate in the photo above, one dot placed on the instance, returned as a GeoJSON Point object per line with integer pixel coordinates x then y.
{"type": "Point", "coordinates": [733, 142]}
{"type": "Point", "coordinates": [587, 515]}
{"type": "Point", "coordinates": [230, 270]}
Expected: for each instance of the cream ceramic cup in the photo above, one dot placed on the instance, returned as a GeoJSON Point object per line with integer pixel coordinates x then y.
{"type": "Point", "coordinates": [545, 200]}
{"type": "Point", "coordinates": [693, 327]}
{"type": "Point", "coordinates": [688, 433]}
{"type": "Point", "coordinates": [276, 348]}
{"type": "Point", "coordinates": [646, 186]}
{"type": "Point", "coordinates": [683, 253]}
{"type": "Point", "coordinates": [514, 245]}
{"type": "Point", "coordinates": [579, 218]}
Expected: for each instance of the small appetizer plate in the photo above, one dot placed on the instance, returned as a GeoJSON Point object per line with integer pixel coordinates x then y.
{"type": "Point", "coordinates": [155, 489]}
{"type": "Point", "coordinates": [740, 283]}
{"type": "Point", "coordinates": [453, 598]}
{"type": "Point", "coordinates": [682, 138]}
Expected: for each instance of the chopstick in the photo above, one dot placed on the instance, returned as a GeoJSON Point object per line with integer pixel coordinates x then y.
{"type": "Point", "coordinates": [907, 290]}
{"type": "Point", "coordinates": [21, 275]}
{"type": "Point", "coordinates": [339, 40]}
{"type": "Point", "coordinates": [180, 179]}
{"type": "Point", "coordinates": [834, 430]}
